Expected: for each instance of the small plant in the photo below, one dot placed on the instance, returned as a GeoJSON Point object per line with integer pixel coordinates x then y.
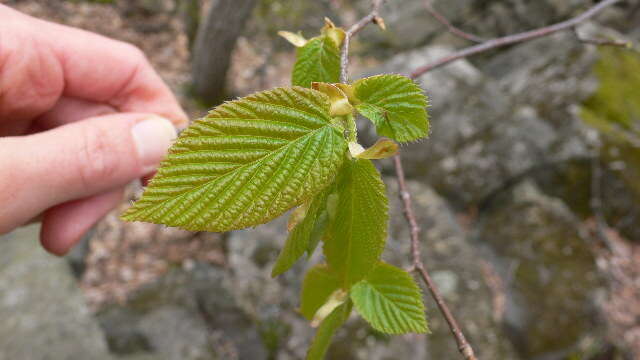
{"type": "Point", "coordinates": [250, 160]}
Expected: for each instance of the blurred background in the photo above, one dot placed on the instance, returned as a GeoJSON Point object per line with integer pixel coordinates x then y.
{"type": "Point", "coordinates": [528, 192]}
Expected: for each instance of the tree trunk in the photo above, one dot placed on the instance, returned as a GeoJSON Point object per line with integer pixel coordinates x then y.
{"type": "Point", "coordinates": [215, 42]}
{"type": "Point", "coordinates": [189, 12]}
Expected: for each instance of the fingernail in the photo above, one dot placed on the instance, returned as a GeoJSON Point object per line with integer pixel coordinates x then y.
{"type": "Point", "coordinates": [153, 138]}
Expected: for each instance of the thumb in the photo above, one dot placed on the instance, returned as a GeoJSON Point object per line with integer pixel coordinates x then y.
{"type": "Point", "coordinates": [76, 161]}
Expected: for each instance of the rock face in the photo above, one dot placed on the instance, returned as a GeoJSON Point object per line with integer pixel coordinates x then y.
{"type": "Point", "coordinates": [494, 125]}
{"type": "Point", "coordinates": [42, 309]}
{"type": "Point", "coordinates": [550, 275]}
{"type": "Point", "coordinates": [187, 314]}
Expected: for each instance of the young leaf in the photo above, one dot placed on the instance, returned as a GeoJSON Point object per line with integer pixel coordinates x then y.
{"type": "Point", "coordinates": [332, 31]}
{"type": "Point", "coordinates": [340, 104]}
{"type": "Point", "coordinates": [327, 329]}
{"type": "Point", "coordinates": [297, 215]}
{"type": "Point", "coordinates": [307, 230]}
{"type": "Point", "coordinates": [355, 238]}
{"type": "Point", "coordinates": [317, 61]}
{"type": "Point", "coordinates": [317, 287]}
{"type": "Point", "coordinates": [389, 299]}
{"type": "Point", "coordinates": [382, 149]}
{"type": "Point", "coordinates": [395, 104]}
{"type": "Point", "coordinates": [296, 40]}
{"type": "Point", "coordinates": [336, 299]}
{"type": "Point", "coordinates": [245, 163]}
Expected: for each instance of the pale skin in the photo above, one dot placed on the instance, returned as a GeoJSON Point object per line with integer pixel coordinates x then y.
{"type": "Point", "coordinates": [81, 116]}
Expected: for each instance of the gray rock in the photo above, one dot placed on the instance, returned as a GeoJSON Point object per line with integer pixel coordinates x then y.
{"type": "Point", "coordinates": [550, 276]}
{"type": "Point", "coordinates": [187, 314]}
{"type": "Point", "coordinates": [459, 272]}
{"type": "Point", "coordinates": [491, 126]}
{"type": "Point", "coordinates": [43, 312]}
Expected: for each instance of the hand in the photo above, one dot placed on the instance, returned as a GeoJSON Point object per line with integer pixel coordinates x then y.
{"type": "Point", "coordinates": [81, 116]}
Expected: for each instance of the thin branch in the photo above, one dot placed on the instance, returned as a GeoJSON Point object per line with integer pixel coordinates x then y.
{"type": "Point", "coordinates": [418, 266]}
{"type": "Point", "coordinates": [452, 29]}
{"type": "Point", "coordinates": [516, 38]}
{"type": "Point", "coordinates": [372, 17]}
{"type": "Point", "coordinates": [605, 42]}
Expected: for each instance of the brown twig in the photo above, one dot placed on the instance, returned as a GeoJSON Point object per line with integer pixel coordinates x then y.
{"type": "Point", "coordinates": [372, 17]}
{"type": "Point", "coordinates": [515, 38]}
{"type": "Point", "coordinates": [452, 28]}
{"type": "Point", "coordinates": [418, 266]}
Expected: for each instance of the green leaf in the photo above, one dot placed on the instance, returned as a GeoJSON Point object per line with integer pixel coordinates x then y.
{"type": "Point", "coordinates": [356, 236]}
{"type": "Point", "coordinates": [395, 104]}
{"type": "Point", "coordinates": [245, 163]}
{"type": "Point", "coordinates": [390, 301]}
{"type": "Point", "coordinates": [317, 61]}
{"type": "Point", "coordinates": [317, 287]}
{"type": "Point", "coordinates": [305, 234]}
{"type": "Point", "coordinates": [326, 330]}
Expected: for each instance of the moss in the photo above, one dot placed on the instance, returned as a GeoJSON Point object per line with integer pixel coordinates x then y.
{"type": "Point", "coordinates": [615, 107]}
{"type": "Point", "coordinates": [614, 110]}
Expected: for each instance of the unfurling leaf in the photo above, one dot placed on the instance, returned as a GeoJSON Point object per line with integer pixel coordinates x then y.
{"type": "Point", "coordinates": [317, 287]}
{"type": "Point", "coordinates": [348, 90]}
{"type": "Point", "coordinates": [336, 299]}
{"type": "Point", "coordinates": [332, 31]}
{"type": "Point", "coordinates": [380, 22]}
{"type": "Point", "coordinates": [319, 59]}
{"type": "Point", "coordinates": [326, 331]}
{"type": "Point", "coordinates": [245, 163]}
{"type": "Point", "coordinates": [306, 228]}
{"type": "Point", "coordinates": [395, 104]}
{"type": "Point", "coordinates": [382, 149]}
{"type": "Point", "coordinates": [296, 39]}
{"type": "Point", "coordinates": [297, 215]}
{"type": "Point", "coordinates": [339, 101]}
{"type": "Point", "coordinates": [355, 149]}
{"type": "Point", "coordinates": [356, 236]}
{"type": "Point", "coordinates": [389, 299]}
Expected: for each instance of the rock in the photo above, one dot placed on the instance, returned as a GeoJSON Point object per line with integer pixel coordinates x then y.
{"type": "Point", "coordinates": [43, 312]}
{"type": "Point", "coordinates": [252, 254]}
{"type": "Point", "coordinates": [460, 274]}
{"type": "Point", "coordinates": [187, 314]}
{"type": "Point", "coordinates": [497, 124]}
{"type": "Point", "coordinates": [551, 280]}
